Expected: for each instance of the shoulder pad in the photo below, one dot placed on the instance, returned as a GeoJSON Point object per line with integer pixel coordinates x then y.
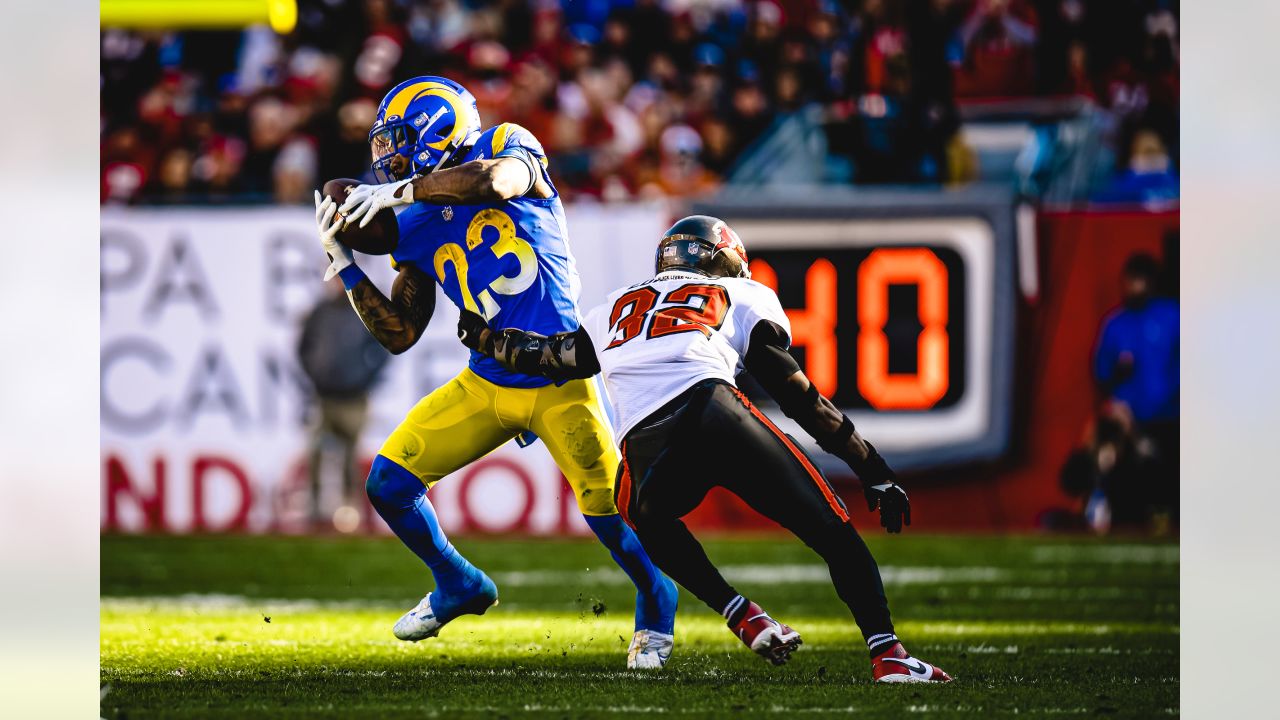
{"type": "Point", "coordinates": [510, 135]}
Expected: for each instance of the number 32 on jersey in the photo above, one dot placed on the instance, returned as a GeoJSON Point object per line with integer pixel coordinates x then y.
{"type": "Point", "coordinates": [508, 243]}
{"type": "Point", "coordinates": [689, 308]}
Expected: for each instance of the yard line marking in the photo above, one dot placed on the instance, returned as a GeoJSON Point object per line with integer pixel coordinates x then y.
{"type": "Point", "coordinates": [220, 601]}
{"type": "Point", "coordinates": [1107, 554]}
{"type": "Point", "coordinates": [985, 649]}
{"type": "Point", "coordinates": [761, 575]}
{"type": "Point", "coordinates": [136, 609]}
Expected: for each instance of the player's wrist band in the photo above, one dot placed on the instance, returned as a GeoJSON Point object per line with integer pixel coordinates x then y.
{"type": "Point", "coordinates": [351, 276]}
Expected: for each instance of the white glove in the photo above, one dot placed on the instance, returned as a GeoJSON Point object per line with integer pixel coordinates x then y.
{"type": "Point", "coordinates": [328, 223]}
{"type": "Point", "coordinates": [365, 201]}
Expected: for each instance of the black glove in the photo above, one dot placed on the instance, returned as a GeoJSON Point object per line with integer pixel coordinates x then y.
{"type": "Point", "coordinates": [880, 487]}
{"type": "Point", "coordinates": [895, 508]}
{"type": "Point", "coordinates": [474, 332]}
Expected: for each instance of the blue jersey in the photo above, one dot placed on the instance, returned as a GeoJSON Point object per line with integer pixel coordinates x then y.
{"type": "Point", "coordinates": [1151, 337]}
{"type": "Point", "coordinates": [507, 260]}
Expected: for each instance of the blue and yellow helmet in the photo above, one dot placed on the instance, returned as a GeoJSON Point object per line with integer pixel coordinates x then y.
{"type": "Point", "coordinates": [426, 120]}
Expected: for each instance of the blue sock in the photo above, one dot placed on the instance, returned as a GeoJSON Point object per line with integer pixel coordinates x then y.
{"type": "Point", "coordinates": [401, 499]}
{"type": "Point", "coordinates": [656, 595]}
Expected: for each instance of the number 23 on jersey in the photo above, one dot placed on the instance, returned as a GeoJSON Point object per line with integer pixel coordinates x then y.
{"type": "Point", "coordinates": [508, 243]}
{"type": "Point", "coordinates": [695, 307]}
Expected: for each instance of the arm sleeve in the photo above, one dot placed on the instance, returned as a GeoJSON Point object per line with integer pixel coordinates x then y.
{"type": "Point", "coordinates": [772, 366]}
{"type": "Point", "coordinates": [767, 358]}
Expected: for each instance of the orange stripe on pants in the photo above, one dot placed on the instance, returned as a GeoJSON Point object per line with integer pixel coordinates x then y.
{"type": "Point", "coordinates": [795, 451]}
{"type": "Point", "coordinates": [624, 488]}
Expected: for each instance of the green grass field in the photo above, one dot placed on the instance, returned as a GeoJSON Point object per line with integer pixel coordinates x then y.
{"type": "Point", "coordinates": [240, 627]}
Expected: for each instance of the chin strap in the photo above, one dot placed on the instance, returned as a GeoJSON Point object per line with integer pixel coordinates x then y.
{"type": "Point", "coordinates": [454, 151]}
{"type": "Point", "coordinates": [443, 159]}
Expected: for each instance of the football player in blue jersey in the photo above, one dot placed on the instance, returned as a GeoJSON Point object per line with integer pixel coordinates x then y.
{"type": "Point", "coordinates": [478, 214]}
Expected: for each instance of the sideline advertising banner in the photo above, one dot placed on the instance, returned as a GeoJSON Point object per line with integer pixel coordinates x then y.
{"type": "Point", "coordinates": [204, 407]}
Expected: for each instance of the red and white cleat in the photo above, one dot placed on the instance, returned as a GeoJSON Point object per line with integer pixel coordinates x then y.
{"type": "Point", "coordinates": [765, 636]}
{"type": "Point", "coordinates": [896, 666]}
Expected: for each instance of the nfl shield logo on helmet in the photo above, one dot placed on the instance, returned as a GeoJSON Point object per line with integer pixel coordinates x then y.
{"type": "Point", "coordinates": [447, 213]}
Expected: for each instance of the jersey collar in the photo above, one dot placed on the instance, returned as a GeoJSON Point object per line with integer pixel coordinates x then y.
{"type": "Point", "coordinates": [667, 274]}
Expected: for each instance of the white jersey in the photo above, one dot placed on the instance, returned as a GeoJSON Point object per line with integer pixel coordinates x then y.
{"type": "Point", "coordinates": [656, 339]}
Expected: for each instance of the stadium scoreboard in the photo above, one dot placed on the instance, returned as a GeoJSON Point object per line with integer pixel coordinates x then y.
{"type": "Point", "coordinates": [892, 339]}
{"type": "Point", "coordinates": [905, 323]}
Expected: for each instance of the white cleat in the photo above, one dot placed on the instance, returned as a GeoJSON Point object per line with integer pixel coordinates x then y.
{"type": "Point", "coordinates": [419, 623]}
{"type": "Point", "coordinates": [425, 621]}
{"type": "Point", "coordinates": [649, 650]}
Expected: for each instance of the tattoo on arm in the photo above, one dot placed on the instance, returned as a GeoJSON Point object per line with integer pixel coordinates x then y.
{"type": "Point", "coordinates": [473, 182]}
{"type": "Point", "coordinates": [398, 322]}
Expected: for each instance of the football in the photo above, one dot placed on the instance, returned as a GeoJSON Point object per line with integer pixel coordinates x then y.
{"type": "Point", "coordinates": [379, 237]}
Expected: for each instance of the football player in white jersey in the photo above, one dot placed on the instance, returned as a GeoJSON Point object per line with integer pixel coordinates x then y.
{"type": "Point", "coordinates": [669, 349]}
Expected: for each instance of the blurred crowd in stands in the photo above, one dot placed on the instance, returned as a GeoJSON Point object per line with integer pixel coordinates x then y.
{"type": "Point", "coordinates": [632, 98]}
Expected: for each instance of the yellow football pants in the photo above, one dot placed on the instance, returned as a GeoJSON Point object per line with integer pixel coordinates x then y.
{"type": "Point", "coordinates": [469, 417]}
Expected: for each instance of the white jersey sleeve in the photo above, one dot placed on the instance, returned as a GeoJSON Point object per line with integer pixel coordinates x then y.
{"type": "Point", "coordinates": [755, 302]}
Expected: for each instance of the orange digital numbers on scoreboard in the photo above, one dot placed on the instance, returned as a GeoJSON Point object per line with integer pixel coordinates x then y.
{"type": "Point", "coordinates": [814, 327]}
{"type": "Point", "coordinates": [899, 391]}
